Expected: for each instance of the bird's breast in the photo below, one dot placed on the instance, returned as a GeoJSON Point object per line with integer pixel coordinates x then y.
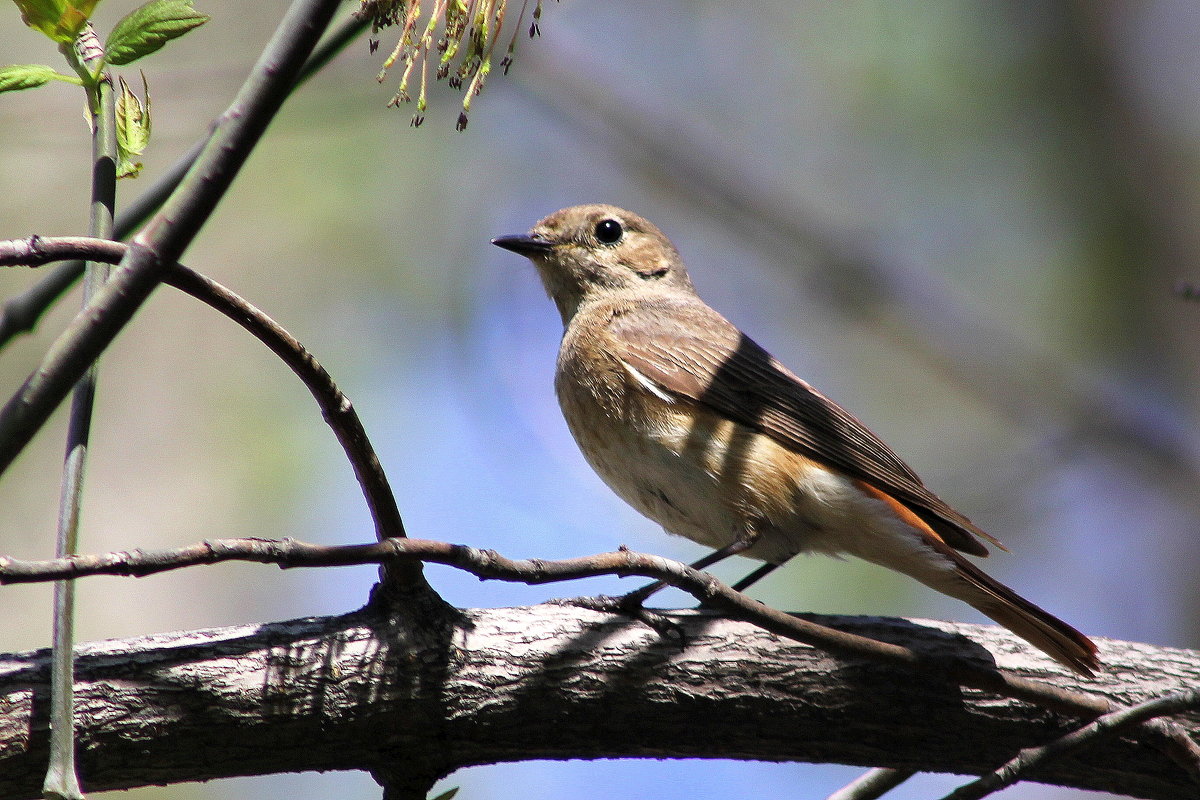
{"type": "Point", "coordinates": [646, 448]}
{"type": "Point", "coordinates": [697, 474]}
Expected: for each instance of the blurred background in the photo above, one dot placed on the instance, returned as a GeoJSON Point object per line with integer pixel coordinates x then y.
{"type": "Point", "coordinates": [963, 221]}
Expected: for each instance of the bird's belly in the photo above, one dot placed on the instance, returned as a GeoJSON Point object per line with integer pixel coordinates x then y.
{"type": "Point", "coordinates": [662, 482]}
{"type": "Point", "coordinates": [648, 462]}
{"type": "Point", "coordinates": [711, 480]}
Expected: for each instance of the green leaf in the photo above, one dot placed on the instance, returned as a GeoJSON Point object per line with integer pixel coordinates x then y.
{"type": "Point", "coordinates": [447, 795]}
{"type": "Point", "coordinates": [148, 28]}
{"type": "Point", "coordinates": [27, 76]}
{"type": "Point", "coordinates": [42, 15]}
{"type": "Point", "coordinates": [133, 128]}
{"type": "Point", "coordinates": [61, 20]}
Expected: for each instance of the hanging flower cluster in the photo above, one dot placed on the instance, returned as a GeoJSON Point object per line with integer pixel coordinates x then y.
{"type": "Point", "coordinates": [459, 36]}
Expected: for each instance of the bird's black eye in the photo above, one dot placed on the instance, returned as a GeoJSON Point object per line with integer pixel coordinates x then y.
{"type": "Point", "coordinates": [609, 231]}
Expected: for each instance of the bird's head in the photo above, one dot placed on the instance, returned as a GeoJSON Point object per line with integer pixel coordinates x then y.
{"type": "Point", "coordinates": [592, 252]}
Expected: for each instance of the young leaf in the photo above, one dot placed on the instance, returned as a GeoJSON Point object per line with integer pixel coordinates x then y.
{"type": "Point", "coordinates": [61, 20]}
{"type": "Point", "coordinates": [133, 128]}
{"type": "Point", "coordinates": [74, 19]}
{"type": "Point", "coordinates": [148, 28]}
{"type": "Point", "coordinates": [28, 76]}
{"type": "Point", "coordinates": [42, 15]}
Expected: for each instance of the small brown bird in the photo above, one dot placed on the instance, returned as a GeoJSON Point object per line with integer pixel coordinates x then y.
{"type": "Point", "coordinates": [704, 432]}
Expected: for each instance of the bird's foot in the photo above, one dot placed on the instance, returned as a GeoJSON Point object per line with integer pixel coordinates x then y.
{"type": "Point", "coordinates": [630, 605]}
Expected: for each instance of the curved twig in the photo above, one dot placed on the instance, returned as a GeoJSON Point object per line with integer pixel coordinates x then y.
{"type": "Point", "coordinates": [1108, 725]}
{"type": "Point", "coordinates": [165, 238]}
{"type": "Point", "coordinates": [21, 312]}
{"type": "Point", "coordinates": [335, 407]}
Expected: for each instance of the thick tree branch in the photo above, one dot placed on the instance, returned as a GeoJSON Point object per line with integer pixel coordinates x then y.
{"type": "Point", "coordinates": [966, 673]}
{"type": "Point", "coordinates": [424, 693]}
{"type": "Point", "coordinates": [966, 665]}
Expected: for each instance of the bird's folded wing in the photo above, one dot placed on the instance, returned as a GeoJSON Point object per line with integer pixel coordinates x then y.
{"type": "Point", "coordinates": [691, 352]}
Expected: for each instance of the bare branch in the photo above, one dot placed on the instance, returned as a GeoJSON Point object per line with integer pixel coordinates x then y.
{"type": "Point", "coordinates": [34, 251]}
{"type": "Point", "coordinates": [1030, 760]}
{"type": "Point", "coordinates": [168, 234]}
{"type": "Point", "coordinates": [872, 784]}
{"type": "Point", "coordinates": [959, 662]}
{"type": "Point", "coordinates": [336, 408]}
{"type": "Point", "coordinates": [420, 693]}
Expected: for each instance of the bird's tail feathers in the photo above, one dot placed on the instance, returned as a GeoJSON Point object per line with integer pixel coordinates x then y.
{"type": "Point", "coordinates": [1035, 625]}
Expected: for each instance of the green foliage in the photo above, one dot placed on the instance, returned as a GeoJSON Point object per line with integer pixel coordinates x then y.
{"type": "Point", "coordinates": [133, 128]}
{"type": "Point", "coordinates": [447, 795]}
{"type": "Point", "coordinates": [148, 28]}
{"type": "Point", "coordinates": [30, 76]}
{"type": "Point", "coordinates": [61, 20]}
{"type": "Point", "coordinates": [140, 33]}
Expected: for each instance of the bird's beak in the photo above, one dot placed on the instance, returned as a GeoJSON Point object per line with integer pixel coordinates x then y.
{"type": "Point", "coordinates": [523, 244]}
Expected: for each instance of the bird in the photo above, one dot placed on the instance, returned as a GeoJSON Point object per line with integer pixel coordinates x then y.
{"type": "Point", "coordinates": [703, 431]}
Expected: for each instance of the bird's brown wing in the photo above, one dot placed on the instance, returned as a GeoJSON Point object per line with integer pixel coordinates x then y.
{"type": "Point", "coordinates": [691, 352]}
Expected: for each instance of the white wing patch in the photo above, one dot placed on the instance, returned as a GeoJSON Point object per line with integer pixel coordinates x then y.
{"type": "Point", "coordinates": [646, 383]}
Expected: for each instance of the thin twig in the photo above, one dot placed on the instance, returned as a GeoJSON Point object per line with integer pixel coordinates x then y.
{"type": "Point", "coordinates": [34, 251]}
{"type": "Point", "coordinates": [872, 784]}
{"type": "Point", "coordinates": [336, 408]}
{"type": "Point", "coordinates": [487, 564]}
{"type": "Point", "coordinates": [62, 779]}
{"type": "Point", "coordinates": [21, 312]}
{"type": "Point", "coordinates": [490, 565]}
{"type": "Point", "coordinates": [1029, 760]}
{"type": "Point", "coordinates": [172, 229]}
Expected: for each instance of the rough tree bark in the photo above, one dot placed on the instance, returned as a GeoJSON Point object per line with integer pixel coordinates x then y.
{"type": "Point", "coordinates": [412, 698]}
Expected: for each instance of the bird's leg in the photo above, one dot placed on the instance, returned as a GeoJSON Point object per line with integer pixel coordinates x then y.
{"type": "Point", "coordinates": [635, 599]}
{"type": "Point", "coordinates": [754, 577]}
{"type": "Point", "coordinates": [751, 579]}
{"type": "Point", "coordinates": [632, 604]}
